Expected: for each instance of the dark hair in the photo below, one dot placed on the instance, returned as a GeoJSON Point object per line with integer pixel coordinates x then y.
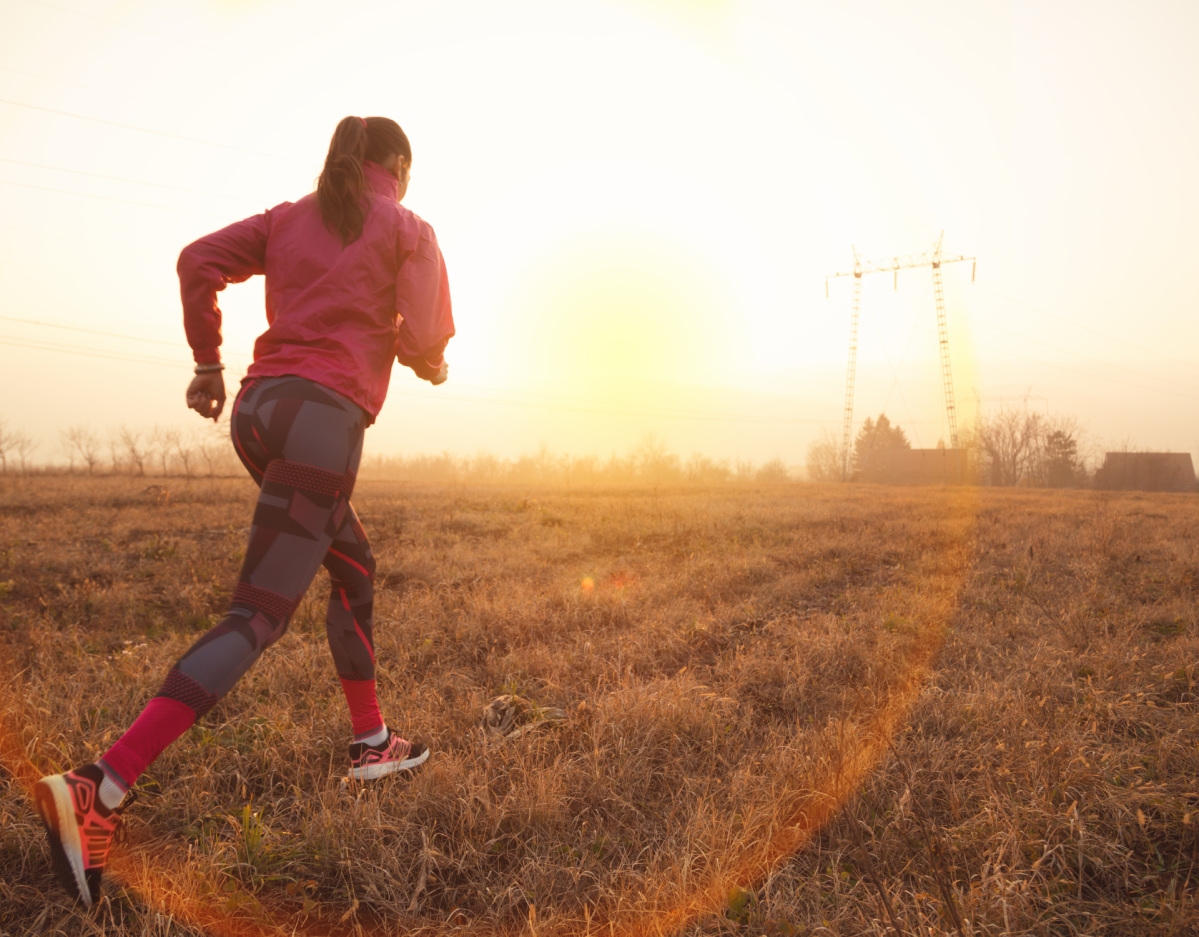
{"type": "Point", "coordinates": [339, 188]}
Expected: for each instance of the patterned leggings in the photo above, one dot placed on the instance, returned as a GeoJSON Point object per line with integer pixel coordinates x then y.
{"type": "Point", "coordinates": [302, 443]}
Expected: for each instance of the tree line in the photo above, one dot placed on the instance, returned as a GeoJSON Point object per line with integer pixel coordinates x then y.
{"type": "Point", "coordinates": [1013, 446]}
{"type": "Point", "coordinates": [161, 450]}
{"type": "Point", "coordinates": [1010, 447]}
{"type": "Point", "coordinates": [169, 450]}
{"type": "Point", "coordinates": [650, 462]}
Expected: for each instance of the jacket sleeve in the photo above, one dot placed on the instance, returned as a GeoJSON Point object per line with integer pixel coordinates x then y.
{"type": "Point", "coordinates": [206, 267]}
{"type": "Point", "coordinates": [423, 304]}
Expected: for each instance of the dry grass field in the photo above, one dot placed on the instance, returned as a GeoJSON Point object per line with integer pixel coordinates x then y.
{"type": "Point", "coordinates": [790, 710]}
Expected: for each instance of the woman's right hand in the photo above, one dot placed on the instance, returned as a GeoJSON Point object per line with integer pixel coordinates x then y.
{"type": "Point", "coordinates": [442, 374]}
{"type": "Point", "coordinates": [206, 394]}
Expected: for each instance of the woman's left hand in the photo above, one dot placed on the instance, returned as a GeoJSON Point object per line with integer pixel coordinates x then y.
{"type": "Point", "coordinates": [206, 395]}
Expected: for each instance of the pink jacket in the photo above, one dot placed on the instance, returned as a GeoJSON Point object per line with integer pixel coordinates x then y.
{"type": "Point", "coordinates": [337, 315]}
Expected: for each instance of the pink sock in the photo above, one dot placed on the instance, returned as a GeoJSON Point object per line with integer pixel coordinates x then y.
{"type": "Point", "coordinates": [364, 706]}
{"type": "Point", "coordinates": [161, 722]}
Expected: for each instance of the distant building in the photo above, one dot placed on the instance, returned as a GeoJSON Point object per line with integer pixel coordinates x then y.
{"type": "Point", "coordinates": [1146, 471]}
{"type": "Point", "coordinates": [926, 466]}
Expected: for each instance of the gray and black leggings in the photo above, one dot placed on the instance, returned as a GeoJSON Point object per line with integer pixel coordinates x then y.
{"type": "Point", "coordinates": [302, 443]}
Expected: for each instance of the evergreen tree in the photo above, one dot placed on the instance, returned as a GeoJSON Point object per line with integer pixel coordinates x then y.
{"type": "Point", "coordinates": [1061, 459]}
{"type": "Point", "coordinates": [872, 449]}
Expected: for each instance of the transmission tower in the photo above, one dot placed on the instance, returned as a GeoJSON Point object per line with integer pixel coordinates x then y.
{"type": "Point", "coordinates": [931, 258]}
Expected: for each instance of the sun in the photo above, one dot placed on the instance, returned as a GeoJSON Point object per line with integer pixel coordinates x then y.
{"type": "Point", "coordinates": [607, 307]}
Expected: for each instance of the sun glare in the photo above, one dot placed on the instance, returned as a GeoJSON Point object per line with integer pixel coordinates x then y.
{"type": "Point", "coordinates": [609, 307]}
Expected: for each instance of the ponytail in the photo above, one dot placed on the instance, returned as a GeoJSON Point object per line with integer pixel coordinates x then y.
{"type": "Point", "coordinates": [339, 188]}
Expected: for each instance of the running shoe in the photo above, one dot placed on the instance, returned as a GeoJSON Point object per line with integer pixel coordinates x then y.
{"type": "Point", "coordinates": [368, 762]}
{"type": "Point", "coordinates": [79, 828]}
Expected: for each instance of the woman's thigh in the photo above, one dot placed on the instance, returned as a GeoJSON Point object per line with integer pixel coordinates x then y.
{"type": "Point", "coordinates": [303, 443]}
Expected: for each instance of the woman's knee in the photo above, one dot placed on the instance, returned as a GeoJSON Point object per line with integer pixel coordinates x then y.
{"type": "Point", "coordinates": [352, 570]}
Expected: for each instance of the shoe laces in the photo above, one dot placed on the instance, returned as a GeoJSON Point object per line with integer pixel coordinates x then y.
{"type": "Point", "coordinates": [120, 832]}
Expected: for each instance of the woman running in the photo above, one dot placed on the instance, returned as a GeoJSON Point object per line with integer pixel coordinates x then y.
{"type": "Point", "coordinates": [354, 281]}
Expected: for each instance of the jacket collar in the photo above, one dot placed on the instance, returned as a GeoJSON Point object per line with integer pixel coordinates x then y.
{"type": "Point", "coordinates": [379, 180]}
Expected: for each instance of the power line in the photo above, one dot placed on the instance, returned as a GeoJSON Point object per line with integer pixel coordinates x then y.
{"type": "Point", "coordinates": [1087, 328]}
{"type": "Point", "coordinates": [89, 353]}
{"type": "Point", "coordinates": [1066, 351]}
{"type": "Point", "coordinates": [1059, 367]}
{"type": "Point", "coordinates": [110, 198]}
{"type": "Point", "coordinates": [1079, 325]}
{"type": "Point", "coordinates": [895, 384]}
{"type": "Point", "coordinates": [1070, 322]}
{"type": "Point", "coordinates": [160, 133]}
{"type": "Point", "coordinates": [58, 347]}
{"type": "Point", "coordinates": [626, 409]}
{"type": "Point", "coordinates": [142, 359]}
{"type": "Point", "coordinates": [58, 237]}
{"type": "Point", "coordinates": [1094, 377]}
{"type": "Point", "coordinates": [631, 406]}
{"type": "Point", "coordinates": [168, 38]}
{"type": "Point", "coordinates": [153, 103]}
{"type": "Point", "coordinates": [73, 328]}
{"type": "Point", "coordinates": [131, 338]}
{"type": "Point", "coordinates": [725, 418]}
{"type": "Point", "coordinates": [155, 185]}
{"type": "Point", "coordinates": [135, 284]}
{"type": "Point", "coordinates": [599, 410]}
{"type": "Point", "coordinates": [1079, 354]}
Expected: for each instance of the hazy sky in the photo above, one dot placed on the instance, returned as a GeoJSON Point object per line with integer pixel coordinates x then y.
{"type": "Point", "coordinates": [638, 201]}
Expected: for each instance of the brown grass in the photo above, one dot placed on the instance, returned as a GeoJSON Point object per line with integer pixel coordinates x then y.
{"type": "Point", "coordinates": [793, 709]}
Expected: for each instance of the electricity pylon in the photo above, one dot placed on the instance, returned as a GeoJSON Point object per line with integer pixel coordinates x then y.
{"type": "Point", "coordinates": [931, 258]}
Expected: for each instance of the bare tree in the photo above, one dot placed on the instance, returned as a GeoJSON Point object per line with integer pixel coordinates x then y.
{"type": "Point", "coordinates": [212, 447]}
{"type": "Point", "coordinates": [655, 463]}
{"type": "Point", "coordinates": [164, 440]}
{"type": "Point", "coordinates": [67, 439]}
{"type": "Point", "coordinates": [25, 446]}
{"type": "Point", "coordinates": [7, 444]}
{"type": "Point", "coordinates": [187, 455]}
{"type": "Point", "coordinates": [705, 471]}
{"type": "Point", "coordinates": [618, 469]}
{"type": "Point", "coordinates": [545, 464]}
{"type": "Point", "coordinates": [1019, 447]}
{"type": "Point", "coordinates": [135, 450]}
{"type": "Point", "coordinates": [583, 469]}
{"type": "Point", "coordinates": [89, 448]}
{"type": "Point", "coordinates": [114, 449]}
{"type": "Point", "coordinates": [744, 470]}
{"type": "Point", "coordinates": [151, 445]}
{"type": "Point", "coordinates": [80, 442]}
{"type": "Point", "coordinates": [773, 472]}
{"type": "Point", "coordinates": [826, 456]}
{"type": "Point", "coordinates": [484, 467]}
{"type": "Point", "coordinates": [1009, 442]}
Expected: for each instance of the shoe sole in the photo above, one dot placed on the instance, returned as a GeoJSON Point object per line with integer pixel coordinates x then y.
{"type": "Point", "coordinates": [53, 802]}
{"type": "Point", "coordinates": [384, 768]}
